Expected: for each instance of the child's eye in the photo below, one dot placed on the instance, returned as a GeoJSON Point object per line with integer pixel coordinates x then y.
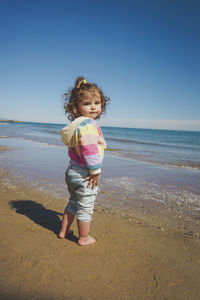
{"type": "Point", "coordinates": [98, 102]}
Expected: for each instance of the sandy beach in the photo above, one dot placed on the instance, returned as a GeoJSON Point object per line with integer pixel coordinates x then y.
{"type": "Point", "coordinates": [137, 255]}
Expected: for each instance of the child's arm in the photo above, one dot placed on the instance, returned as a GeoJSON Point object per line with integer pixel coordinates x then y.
{"type": "Point", "coordinates": [88, 139]}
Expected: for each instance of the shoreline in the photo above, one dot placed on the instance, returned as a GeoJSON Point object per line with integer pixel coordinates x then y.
{"type": "Point", "coordinates": [175, 156]}
{"type": "Point", "coordinates": [43, 167]}
{"type": "Point", "coordinates": [152, 255]}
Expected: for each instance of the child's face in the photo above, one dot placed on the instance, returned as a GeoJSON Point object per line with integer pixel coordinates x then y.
{"type": "Point", "coordinates": [90, 105]}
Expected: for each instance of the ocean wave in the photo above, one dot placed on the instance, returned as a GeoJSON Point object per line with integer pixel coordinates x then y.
{"type": "Point", "coordinates": [38, 142]}
{"type": "Point", "coordinates": [183, 164]}
{"type": "Point", "coordinates": [131, 141]}
{"type": "Point", "coordinates": [44, 143]}
{"type": "Point", "coordinates": [163, 145]}
{"type": "Point", "coordinates": [53, 132]}
{"type": "Point", "coordinates": [4, 123]}
{"type": "Point", "coordinates": [140, 157]}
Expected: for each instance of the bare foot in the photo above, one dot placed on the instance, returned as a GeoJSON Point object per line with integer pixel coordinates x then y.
{"type": "Point", "coordinates": [62, 234]}
{"type": "Point", "coordinates": [86, 241]}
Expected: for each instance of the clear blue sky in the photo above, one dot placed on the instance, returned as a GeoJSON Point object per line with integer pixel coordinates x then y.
{"type": "Point", "coordinates": [144, 54]}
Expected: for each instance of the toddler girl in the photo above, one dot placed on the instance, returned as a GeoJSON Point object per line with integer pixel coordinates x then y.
{"type": "Point", "coordinates": [84, 104]}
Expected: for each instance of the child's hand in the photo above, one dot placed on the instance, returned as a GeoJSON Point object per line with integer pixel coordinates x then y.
{"type": "Point", "coordinates": [92, 180]}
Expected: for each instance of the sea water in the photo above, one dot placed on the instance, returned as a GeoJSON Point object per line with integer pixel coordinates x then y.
{"type": "Point", "coordinates": [142, 164]}
{"type": "Point", "coordinates": [169, 147]}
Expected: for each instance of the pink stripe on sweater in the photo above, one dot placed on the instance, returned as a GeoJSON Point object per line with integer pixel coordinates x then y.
{"type": "Point", "coordinates": [74, 156]}
{"type": "Point", "coordinates": [90, 149]}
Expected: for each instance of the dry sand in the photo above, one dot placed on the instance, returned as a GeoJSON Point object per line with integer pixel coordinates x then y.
{"type": "Point", "coordinates": [137, 256]}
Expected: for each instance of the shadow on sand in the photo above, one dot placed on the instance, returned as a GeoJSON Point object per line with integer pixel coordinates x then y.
{"type": "Point", "coordinates": [40, 215]}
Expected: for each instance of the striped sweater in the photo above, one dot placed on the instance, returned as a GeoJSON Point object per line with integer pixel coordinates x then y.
{"type": "Point", "coordinates": [85, 143]}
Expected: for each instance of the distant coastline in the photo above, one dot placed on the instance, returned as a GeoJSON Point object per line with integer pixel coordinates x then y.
{"type": "Point", "coordinates": [11, 121]}
{"type": "Point", "coordinates": [103, 126]}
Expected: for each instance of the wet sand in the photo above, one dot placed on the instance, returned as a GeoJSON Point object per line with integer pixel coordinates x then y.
{"type": "Point", "coordinates": [139, 254]}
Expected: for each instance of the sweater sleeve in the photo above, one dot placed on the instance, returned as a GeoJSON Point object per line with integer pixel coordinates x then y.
{"type": "Point", "coordinates": [88, 140]}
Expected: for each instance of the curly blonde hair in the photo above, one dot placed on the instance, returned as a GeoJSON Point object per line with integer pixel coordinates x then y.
{"type": "Point", "coordinates": [75, 95]}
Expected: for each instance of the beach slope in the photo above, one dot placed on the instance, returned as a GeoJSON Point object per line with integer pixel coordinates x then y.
{"type": "Point", "coordinates": [136, 256]}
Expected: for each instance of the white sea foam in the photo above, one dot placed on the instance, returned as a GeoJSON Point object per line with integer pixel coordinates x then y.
{"type": "Point", "coordinates": [169, 195]}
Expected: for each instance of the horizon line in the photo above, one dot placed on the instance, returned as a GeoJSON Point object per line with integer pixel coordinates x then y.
{"type": "Point", "coordinates": [113, 126]}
